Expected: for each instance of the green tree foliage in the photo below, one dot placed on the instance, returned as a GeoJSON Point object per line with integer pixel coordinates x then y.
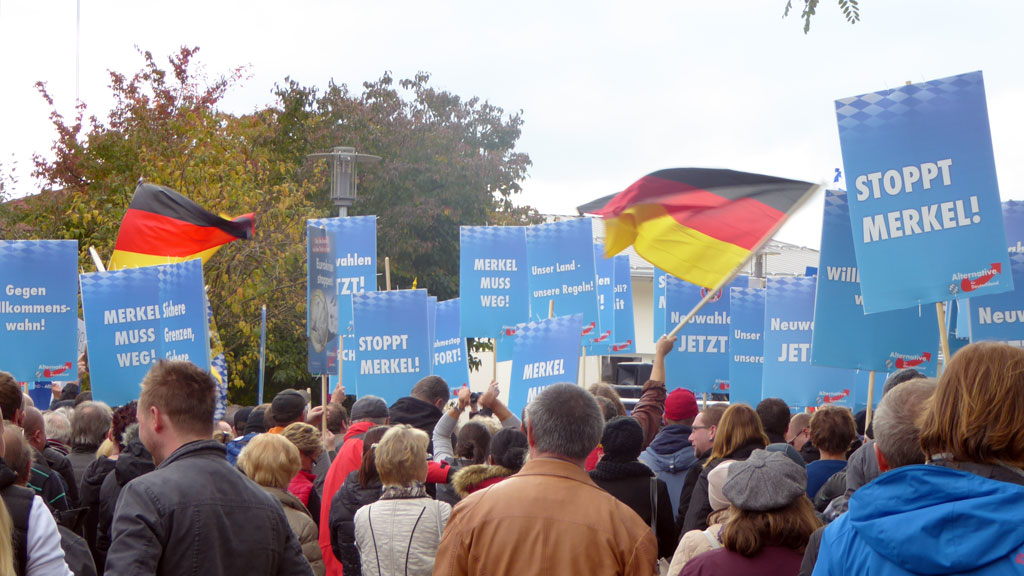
{"type": "Point", "coordinates": [446, 162]}
{"type": "Point", "coordinates": [850, 8]}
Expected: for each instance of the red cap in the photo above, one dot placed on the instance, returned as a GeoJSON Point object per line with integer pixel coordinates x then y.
{"type": "Point", "coordinates": [681, 404]}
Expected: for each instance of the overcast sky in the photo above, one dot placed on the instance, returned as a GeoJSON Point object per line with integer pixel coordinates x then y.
{"type": "Point", "coordinates": [610, 91]}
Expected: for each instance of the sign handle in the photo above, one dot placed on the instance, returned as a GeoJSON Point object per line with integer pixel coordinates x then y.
{"type": "Point", "coordinates": [871, 399]}
{"type": "Point", "coordinates": [551, 308]}
{"type": "Point", "coordinates": [263, 350]}
{"type": "Point", "coordinates": [387, 273]}
{"type": "Point", "coordinates": [753, 252]}
{"type": "Point", "coordinates": [704, 401]}
{"type": "Point", "coordinates": [323, 403]}
{"type": "Point", "coordinates": [96, 259]}
{"type": "Point", "coordinates": [940, 310]}
{"type": "Point", "coordinates": [494, 371]}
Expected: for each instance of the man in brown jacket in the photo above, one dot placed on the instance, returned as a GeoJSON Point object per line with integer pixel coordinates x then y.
{"type": "Point", "coordinates": [550, 518]}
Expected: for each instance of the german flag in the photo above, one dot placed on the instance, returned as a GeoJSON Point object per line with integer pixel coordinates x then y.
{"type": "Point", "coordinates": [162, 226]}
{"type": "Point", "coordinates": [699, 224]}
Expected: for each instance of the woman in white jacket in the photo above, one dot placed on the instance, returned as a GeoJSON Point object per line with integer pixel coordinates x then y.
{"type": "Point", "coordinates": [399, 534]}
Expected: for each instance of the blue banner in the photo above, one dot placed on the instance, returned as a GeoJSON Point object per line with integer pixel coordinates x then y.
{"type": "Point", "coordinates": [355, 241]}
{"type": "Point", "coordinates": [391, 341]}
{"type": "Point", "coordinates": [431, 326]}
{"type": "Point", "coordinates": [660, 280]}
{"type": "Point", "coordinates": [788, 373]}
{"type": "Point", "coordinates": [561, 257]}
{"type": "Point", "coordinates": [844, 337]}
{"type": "Point", "coordinates": [449, 347]}
{"type": "Point", "coordinates": [136, 316]}
{"type": "Point", "coordinates": [493, 285]}
{"type": "Point", "coordinates": [700, 361]}
{"type": "Point", "coordinates": [1001, 317]}
{"type": "Point", "coordinates": [746, 345]}
{"type": "Point", "coordinates": [321, 302]}
{"type": "Point", "coordinates": [924, 201]}
{"type": "Point", "coordinates": [599, 342]}
{"type": "Point", "coordinates": [39, 309]}
{"type": "Point", "coordinates": [624, 325]}
{"type": "Point", "coordinates": [545, 352]}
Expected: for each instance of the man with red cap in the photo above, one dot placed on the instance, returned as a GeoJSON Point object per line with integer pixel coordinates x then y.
{"type": "Point", "coordinates": [670, 454]}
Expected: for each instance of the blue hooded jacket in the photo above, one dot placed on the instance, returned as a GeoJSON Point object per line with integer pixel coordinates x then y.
{"type": "Point", "coordinates": [670, 456]}
{"type": "Point", "coordinates": [928, 520]}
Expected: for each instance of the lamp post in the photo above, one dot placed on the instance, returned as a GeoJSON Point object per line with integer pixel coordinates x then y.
{"type": "Point", "coordinates": [344, 174]}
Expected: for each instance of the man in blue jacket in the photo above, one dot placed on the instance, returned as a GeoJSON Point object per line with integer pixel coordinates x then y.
{"type": "Point", "coordinates": [670, 454]}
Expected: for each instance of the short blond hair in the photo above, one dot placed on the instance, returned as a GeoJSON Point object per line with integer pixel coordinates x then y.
{"type": "Point", "coordinates": [401, 456]}
{"type": "Point", "coordinates": [270, 460]}
{"type": "Point", "coordinates": [305, 437]}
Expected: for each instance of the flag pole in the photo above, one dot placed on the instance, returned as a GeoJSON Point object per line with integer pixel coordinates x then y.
{"type": "Point", "coordinates": [940, 310]}
{"type": "Point", "coordinates": [263, 350]}
{"type": "Point", "coordinates": [753, 252]}
{"type": "Point", "coordinates": [871, 399]}
{"type": "Point", "coordinates": [96, 259]}
{"type": "Point", "coordinates": [387, 273]}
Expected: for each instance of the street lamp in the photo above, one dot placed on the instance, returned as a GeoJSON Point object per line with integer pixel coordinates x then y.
{"type": "Point", "coordinates": [344, 174]}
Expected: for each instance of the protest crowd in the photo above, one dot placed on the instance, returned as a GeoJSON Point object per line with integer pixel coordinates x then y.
{"type": "Point", "coordinates": [449, 484]}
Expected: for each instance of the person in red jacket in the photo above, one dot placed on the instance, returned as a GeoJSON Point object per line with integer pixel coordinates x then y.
{"type": "Point", "coordinates": [367, 412]}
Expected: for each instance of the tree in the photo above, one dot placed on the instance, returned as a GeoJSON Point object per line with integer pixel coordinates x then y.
{"type": "Point", "coordinates": [446, 162]}
{"type": "Point", "coordinates": [850, 8]}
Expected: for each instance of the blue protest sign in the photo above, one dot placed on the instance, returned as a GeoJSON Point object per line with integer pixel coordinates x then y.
{"type": "Point", "coordinates": [321, 302]}
{"type": "Point", "coordinates": [136, 316]}
{"type": "Point", "coordinates": [746, 345]}
{"type": "Point", "coordinates": [391, 341]}
{"type": "Point", "coordinates": [788, 373]}
{"type": "Point", "coordinates": [493, 285]}
{"type": "Point", "coordinates": [625, 329]}
{"type": "Point", "coordinates": [924, 201]}
{"type": "Point", "coordinates": [1000, 317]}
{"type": "Point", "coordinates": [39, 309]}
{"type": "Point", "coordinates": [660, 280]}
{"type": "Point", "coordinates": [449, 347]}
{"type": "Point", "coordinates": [957, 313]}
{"type": "Point", "coordinates": [844, 337]}
{"type": "Point", "coordinates": [561, 257]}
{"type": "Point", "coordinates": [545, 352]}
{"type": "Point", "coordinates": [599, 342]}
{"type": "Point", "coordinates": [700, 361]}
{"type": "Point", "coordinates": [355, 271]}
{"type": "Point", "coordinates": [862, 382]}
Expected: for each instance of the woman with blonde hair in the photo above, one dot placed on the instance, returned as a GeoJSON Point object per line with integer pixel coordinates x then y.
{"type": "Point", "coordinates": [960, 513]}
{"type": "Point", "coordinates": [400, 533]}
{"type": "Point", "coordinates": [271, 461]}
{"type": "Point", "coordinates": [6, 553]}
{"type": "Point", "coordinates": [739, 433]}
{"type": "Point", "coordinates": [769, 521]}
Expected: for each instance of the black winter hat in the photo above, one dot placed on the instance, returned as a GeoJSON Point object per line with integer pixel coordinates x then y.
{"type": "Point", "coordinates": [622, 440]}
{"type": "Point", "coordinates": [255, 423]}
{"type": "Point", "coordinates": [287, 406]}
{"type": "Point", "coordinates": [242, 418]}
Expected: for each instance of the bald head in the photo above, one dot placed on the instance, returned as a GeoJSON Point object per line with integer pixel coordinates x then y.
{"type": "Point", "coordinates": [35, 429]}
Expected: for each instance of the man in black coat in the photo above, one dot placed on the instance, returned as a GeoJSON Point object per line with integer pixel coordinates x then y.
{"type": "Point", "coordinates": [184, 515]}
{"type": "Point", "coordinates": [422, 407]}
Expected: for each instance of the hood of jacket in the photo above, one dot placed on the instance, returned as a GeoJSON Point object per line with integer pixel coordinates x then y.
{"type": "Point", "coordinates": [133, 462]}
{"type": "Point", "coordinates": [358, 429]}
{"type": "Point", "coordinates": [97, 472]}
{"type": "Point", "coordinates": [671, 439]}
{"type": "Point", "coordinates": [934, 520]}
{"type": "Point", "coordinates": [353, 496]}
{"type": "Point", "coordinates": [469, 478]}
{"type": "Point", "coordinates": [414, 412]}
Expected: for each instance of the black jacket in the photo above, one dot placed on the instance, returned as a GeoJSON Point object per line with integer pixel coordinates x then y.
{"type": "Point", "coordinates": [133, 462]}
{"type": "Point", "coordinates": [92, 480]}
{"type": "Point", "coordinates": [80, 458]}
{"type": "Point", "coordinates": [18, 501]}
{"type": "Point", "coordinates": [194, 514]}
{"type": "Point", "coordinates": [347, 500]}
{"type": "Point", "coordinates": [416, 413]}
{"type": "Point", "coordinates": [48, 485]}
{"type": "Point", "coordinates": [630, 483]}
{"type": "Point", "coordinates": [60, 464]}
{"type": "Point", "coordinates": [692, 475]}
{"type": "Point", "coordinates": [700, 505]}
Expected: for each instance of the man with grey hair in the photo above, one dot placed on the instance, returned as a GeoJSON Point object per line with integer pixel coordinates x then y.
{"type": "Point", "coordinates": [90, 424]}
{"type": "Point", "coordinates": [584, 530]}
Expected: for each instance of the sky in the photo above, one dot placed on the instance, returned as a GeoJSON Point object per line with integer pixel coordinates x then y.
{"type": "Point", "coordinates": [609, 91]}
